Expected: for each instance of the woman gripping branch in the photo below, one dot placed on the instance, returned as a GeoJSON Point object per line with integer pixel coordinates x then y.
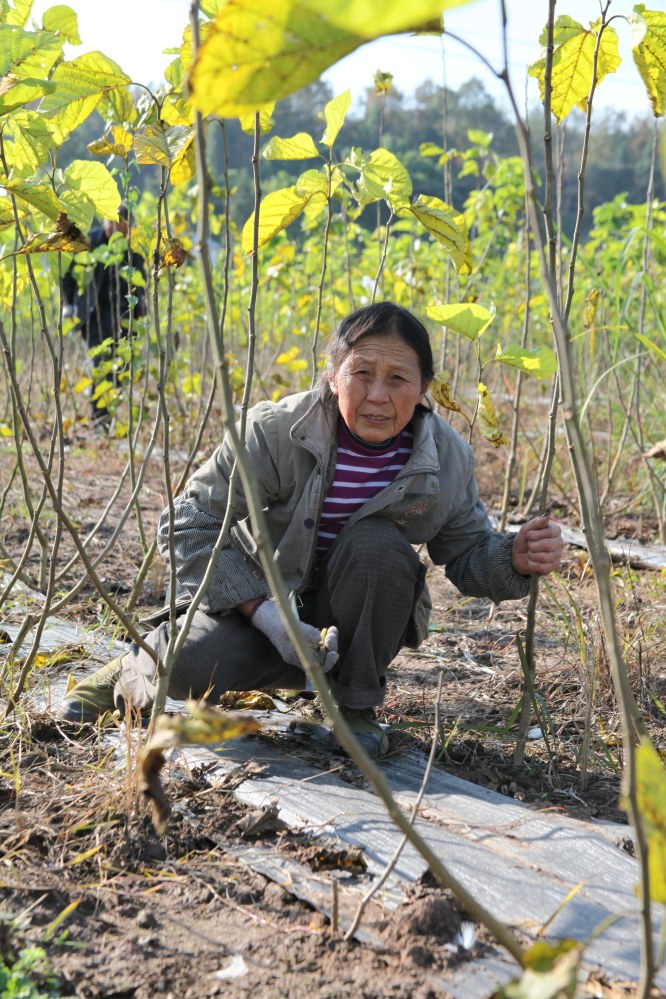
{"type": "Point", "coordinates": [352, 476]}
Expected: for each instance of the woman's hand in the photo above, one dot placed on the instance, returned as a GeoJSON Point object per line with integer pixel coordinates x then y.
{"type": "Point", "coordinates": [538, 547]}
{"type": "Point", "coordinates": [266, 618]}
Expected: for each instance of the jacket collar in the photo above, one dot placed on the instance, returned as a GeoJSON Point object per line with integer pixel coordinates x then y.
{"type": "Point", "coordinates": [316, 430]}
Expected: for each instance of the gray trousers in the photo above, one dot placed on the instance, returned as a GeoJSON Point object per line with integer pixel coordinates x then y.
{"type": "Point", "coordinates": [366, 586]}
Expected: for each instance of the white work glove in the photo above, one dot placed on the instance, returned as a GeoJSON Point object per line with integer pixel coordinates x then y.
{"type": "Point", "coordinates": [267, 619]}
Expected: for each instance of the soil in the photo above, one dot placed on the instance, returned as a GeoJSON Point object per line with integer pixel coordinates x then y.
{"type": "Point", "coordinates": [121, 912]}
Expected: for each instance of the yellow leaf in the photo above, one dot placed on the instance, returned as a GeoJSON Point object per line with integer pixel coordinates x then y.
{"type": "Point", "coordinates": [466, 318]}
{"type": "Point", "coordinates": [335, 113]}
{"type": "Point", "coordinates": [447, 226]}
{"type": "Point", "coordinates": [298, 147]}
{"type": "Point", "coordinates": [265, 119]}
{"type": "Point", "coordinates": [80, 85]}
{"type": "Point", "coordinates": [551, 972]}
{"type": "Point", "coordinates": [384, 176]}
{"type": "Point", "coordinates": [258, 52]}
{"type": "Point", "coordinates": [651, 793]}
{"type": "Point", "coordinates": [277, 210]}
{"type": "Point", "coordinates": [18, 14]}
{"type": "Point", "coordinates": [32, 139]}
{"type": "Point", "coordinates": [540, 363]}
{"type": "Point", "coordinates": [206, 725]}
{"type": "Point", "coordinates": [573, 63]}
{"type": "Point", "coordinates": [5, 431]}
{"type": "Point", "coordinates": [192, 384]}
{"type": "Point", "coordinates": [370, 20]}
{"type": "Point", "coordinates": [67, 238]}
{"type": "Point", "coordinates": [50, 930]}
{"type": "Point", "coordinates": [177, 111]}
{"type": "Point", "coordinates": [649, 52]}
{"type": "Point", "coordinates": [80, 857]}
{"type": "Point", "coordinates": [168, 146]}
{"type": "Point", "coordinates": [91, 184]}
{"type": "Point", "coordinates": [82, 384]}
{"type": "Point", "coordinates": [64, 21]}
{"type": "Point", "coordinates": [117, 142]}
{"type": "Point", "coordinates": [247, 700]}
{"type": "Point", "coordinates": [183, 167]}
{"type": "Point", "coordinates": [287, 355]}
{"type": "Point", "coordinates": [39, 196]}
{"type": "Point", "coordinates": [487, 419]}
{"type": "Point", "coordinates": [175, 255]}
{"type": "Point", "coordinates": [441, 393]}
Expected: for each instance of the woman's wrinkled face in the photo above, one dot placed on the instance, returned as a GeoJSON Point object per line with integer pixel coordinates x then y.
{"type": "Point", "coordinates": [378, 385]}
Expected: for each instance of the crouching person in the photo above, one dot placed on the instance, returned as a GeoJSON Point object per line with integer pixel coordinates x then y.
{"type": "Point", "coordinates": [352, 476]}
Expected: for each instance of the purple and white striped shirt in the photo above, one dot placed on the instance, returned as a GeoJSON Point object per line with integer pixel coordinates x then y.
{"type": "Point", "coordinates": [361, 471]}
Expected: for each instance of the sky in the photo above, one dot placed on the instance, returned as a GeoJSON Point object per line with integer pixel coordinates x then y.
{"type": "Point", "coordinates": [135, 32]}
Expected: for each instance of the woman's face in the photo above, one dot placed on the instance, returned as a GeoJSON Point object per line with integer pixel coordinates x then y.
{"type": "Point", "coordinates": [378, 386]}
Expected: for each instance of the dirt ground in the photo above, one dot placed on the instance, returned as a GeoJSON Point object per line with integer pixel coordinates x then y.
{"type": "Point", "coordinates": [121, 912]}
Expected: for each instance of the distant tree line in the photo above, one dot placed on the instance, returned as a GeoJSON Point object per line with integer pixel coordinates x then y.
{"type": "Point", "coordinates": [618, 163]}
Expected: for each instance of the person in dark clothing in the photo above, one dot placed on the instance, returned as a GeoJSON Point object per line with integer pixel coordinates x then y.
{"type": "Point", "coordinates": [102, 305]}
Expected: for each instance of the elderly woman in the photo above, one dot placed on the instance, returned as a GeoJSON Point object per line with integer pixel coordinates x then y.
{"type": "Point", "coordinates": [351, 477]}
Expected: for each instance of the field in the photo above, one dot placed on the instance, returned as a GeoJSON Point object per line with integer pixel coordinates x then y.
{"type": "Point", "coordinates": [546, 314]}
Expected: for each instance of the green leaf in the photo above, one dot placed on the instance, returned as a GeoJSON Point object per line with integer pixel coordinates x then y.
{"type": "Point", "coordinates": [573, 62]}
{"type": "Point", "coordinates": [298, 147]}
{"type": "Point", "coordinates": [39, 196]}
{"type": "Point", "coordinates": [335, 113]}
{"type": "Point", "coordinates": [118, 106]}
{"type": "Point", "coordinates": [315, 183]}
{"type": "Point", "coordinates": [276, 212]}
{"type": "Point", "coordinates": [27, 54]}
{"type": "Point", "coordinates": [90, 182]}
{"type": "Point", "coordinates": [551, 972]}
{"type": "Point", "coordinates": [651, 793]}
{"type": "Point", "coordinates": [467, 319]}
{"type": "Point", "coordinates": [7, 213]}
{"type": "Point", "coordinates": [18, 14]}
{"type": "Point", "coordinates": [64, 21]}
{"type": "Point", "coordinates": [649, 52]}
{"type": "Point", "coordinates": [651, 345]}
{"type": "Point", "coordinates": [210, 8]}
{"type": "Point", "coordinates": [540, 363]}
{"type": "Point", "coordinates": [448, 227]}
{"type": "Point", "coordinates": [384, 177]}
{"type": "Point", "coordinates": [32, 139]}
{"type": "Point", "coordinates": [80, 86]}
{"type": "Point", "coordinates": [18, 93]}
{"type": "Point", "coordinates": [256, 53]}
{"type": "Point", "coordinates": [487, 419]}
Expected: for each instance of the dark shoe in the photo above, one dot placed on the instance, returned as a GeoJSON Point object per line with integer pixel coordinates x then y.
{"type": "Point", "coordinates": [93, 696]}
{"type": "Point", "coordinates": [365, 726]}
